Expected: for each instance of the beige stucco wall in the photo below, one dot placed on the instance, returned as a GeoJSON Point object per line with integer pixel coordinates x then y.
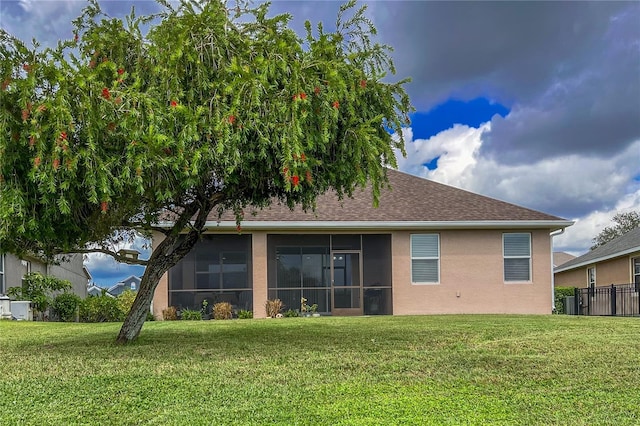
{"type": "Point", "coordinates": [471, 276]}
{"type": "Point", "coordinates": [161, 295]}
{"type": "Point", "coordinates": [613, 271]}
{"type": "Point", "coordinates": [259, 265]}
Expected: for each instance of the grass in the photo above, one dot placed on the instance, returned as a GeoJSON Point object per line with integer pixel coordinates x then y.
{"type": "Point", "coordinates": [326, 371]}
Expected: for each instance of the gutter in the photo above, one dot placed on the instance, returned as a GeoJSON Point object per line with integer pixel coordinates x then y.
{"type": "Point", "coordinates": [553, 275]}
{"type": "Point", "coordinates": [378, 225]}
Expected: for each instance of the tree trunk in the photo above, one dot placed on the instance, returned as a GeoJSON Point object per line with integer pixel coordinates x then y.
{"type": "Point", "coordinates": [140, 308]}
{"type": "Point", "coordinates": [162, 259]}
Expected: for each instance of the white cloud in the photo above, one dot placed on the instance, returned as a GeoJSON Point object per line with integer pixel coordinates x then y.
{"type": "Point", "coordinates": [587, 189]}
{"type": "Point", "coordinates": [578, 238]}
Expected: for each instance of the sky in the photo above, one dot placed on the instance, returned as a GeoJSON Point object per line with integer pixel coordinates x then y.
{"type": "Point", "coordinates": [534, 103]}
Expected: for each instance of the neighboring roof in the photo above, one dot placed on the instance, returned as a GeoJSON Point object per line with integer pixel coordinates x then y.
{"type": "Point", "coordinates": [560, 257]}
{"type": "Point", "coordinates": [411, 201]}
{"type": "Point", "coordinates": [623, 245]}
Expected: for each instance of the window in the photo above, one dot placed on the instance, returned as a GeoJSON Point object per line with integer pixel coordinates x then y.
{"type": "Point", "coordinates": [517, 257]}
{"type": "Point", "coordinates": [591, 280]}
{"type": "Point", "coordinates": [425, 258]}
{"type": "Point", "coordinates": [636, 273]}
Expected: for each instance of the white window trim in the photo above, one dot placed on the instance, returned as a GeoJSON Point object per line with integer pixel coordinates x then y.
{"type": "Point", "coordinates": [411, 258]}
{"type": "Point", "coordinates": [595, 277]}
{"type": "Point", "coordinates": [504, 257]}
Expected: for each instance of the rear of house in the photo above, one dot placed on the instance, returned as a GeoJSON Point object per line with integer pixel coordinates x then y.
{"type": "Point", "coordinates": [428, 249]}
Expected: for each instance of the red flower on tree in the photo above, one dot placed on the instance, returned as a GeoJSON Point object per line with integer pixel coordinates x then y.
{"type": "Point", "coordinates": [32, 140]}
{"type": "Point", "coordinates": [336, 104]}
{"type": "Point", "coordinates": [106, 94]}
{"type": "Point", "coordinates": [63, 136]}
{"type": "Point", "coordinates": [316, 90]}
{"type": "Point", "coordinates": [303, 157]}
{"type": "Point", "coordinates": [25, 114]}
{"type": "Point", "coordinates": [363, 83]}
{"type": "Point", "coordinates": [120, 71]}
{"type": "Point", "coordinates": [104, 206]}
{"type": "Point", "coordinates": [36, 162]}
{"type": "Point", "coordinates": [26, 67]}
{"type": "Point", "coordinates": [308, 176]}
{"type": "Point", "coordinates": [173, 103]}
{"type": "Point", "coordinates": [232, 119]}
{"type": "Point", "coordinates": [303, 96]}
{"type": "Point", "coordinates": [75, 37]}
{"type": "Point", "coordinates": [56, 164]}
{"type": "Point", "coordinates": [295, 179]}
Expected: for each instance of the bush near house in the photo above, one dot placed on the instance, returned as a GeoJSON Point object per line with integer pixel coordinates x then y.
{"type": "Point", "coordinates": [559, 294]}
{"type": "Point", "coordinates": [65, 306]}
{"type": "Point", "coordinates": [38, 289]}
{"type": "Point", "coordinates": [100, 309]}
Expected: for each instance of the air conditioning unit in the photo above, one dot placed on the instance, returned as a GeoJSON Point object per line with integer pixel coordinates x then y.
{"type": "Point", "coordinates": [21, 310]}
{"type": "Point", "coordinates": [5, 307]}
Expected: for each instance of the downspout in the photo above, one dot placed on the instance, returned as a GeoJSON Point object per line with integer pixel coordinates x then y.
{"type": "Point", "coordinates": [553, 279]}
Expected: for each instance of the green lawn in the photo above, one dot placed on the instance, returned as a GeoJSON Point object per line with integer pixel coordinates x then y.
{"type": "Point", "coordinates": [325, 371]}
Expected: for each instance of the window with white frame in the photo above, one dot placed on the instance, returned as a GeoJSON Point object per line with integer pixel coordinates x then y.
{"type": "Point", "coordinates": [636, 273]}
{"type": "Point", "coordinates": [591, 280]}
{"type": "Point", "coordinates": [591, 276]}
{"type": "Point", "coordinates": [517, 257]}
{"type": "Point", "coordinates": [425, 258]}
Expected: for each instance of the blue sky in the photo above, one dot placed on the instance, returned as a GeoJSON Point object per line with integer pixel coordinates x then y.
{"type": "Point", "coordinates": [535, 103]}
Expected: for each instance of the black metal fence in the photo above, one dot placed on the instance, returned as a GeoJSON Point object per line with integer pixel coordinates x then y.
{"type": "Point", "coordinates": [621, 300]}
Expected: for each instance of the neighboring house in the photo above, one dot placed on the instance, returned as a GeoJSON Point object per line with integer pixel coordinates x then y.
{"type": "Point", "coordinates": [616, 262]}
{"type": "Point", "coordinates": [94, 290]}
{"type": "Point", "coordinates": [560, 257]}
{"type": "Point", "coordinates": [428, 249]}
{"type": "Point", "coordinates": [13, 269]}
{"type": "Point", "coordinates": [131, 283]}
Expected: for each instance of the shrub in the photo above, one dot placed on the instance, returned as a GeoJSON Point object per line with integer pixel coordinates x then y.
{"type": "Point", "coordinates": [222, 311]}
{"type": "Point", "coordinates": [170, 314]}
{"type": "Point", "coordinates": [291, 313]}
{"type": "Point", "coordinates": [559, 294]}
{"type": "Point", "coordinates": [150, 317]}
{"type": "Point", "coordinates": [273, 307]}
{"type": "Point", "coordinates": [125, 300]}
{"type": "Point", "coordinates": [244, 314]}
{"type": "Point", "coordinates": [191, 315]}
{"type": "Point", "coordinates": [100, 309]}
{"type": "Point", "coordinates": [37, 288]}
{"type": "Point", "coordinates": [65, 306]}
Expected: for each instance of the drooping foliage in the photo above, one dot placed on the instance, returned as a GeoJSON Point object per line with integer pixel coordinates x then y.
{"type": "Point", "coordinates": [168, 117]}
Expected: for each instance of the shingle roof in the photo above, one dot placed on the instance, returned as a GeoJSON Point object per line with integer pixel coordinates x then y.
{"type": "Point", "coordinates": [411, 199]}
{"type": "Point", "coordinates": [560, 258]}
{"type": "Point", "coordinates": [627, 243]}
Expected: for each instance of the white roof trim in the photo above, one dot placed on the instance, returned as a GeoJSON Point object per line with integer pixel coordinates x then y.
{"type": "Point", "coordinates": [598, 259]}
{"type": "Point", "coordinates": [377, 225]}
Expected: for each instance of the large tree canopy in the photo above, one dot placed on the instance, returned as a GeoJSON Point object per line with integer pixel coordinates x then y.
{"type": "Point", "coordinates": [198, 108]}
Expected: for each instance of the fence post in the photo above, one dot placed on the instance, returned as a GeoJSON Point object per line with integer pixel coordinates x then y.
{"type": "Point", "coordinates": [613, 300]}
{"type": "Point", "coordinates": [576, 300]}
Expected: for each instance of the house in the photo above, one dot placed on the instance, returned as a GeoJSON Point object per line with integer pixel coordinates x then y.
{"type": "Point", "coordinates": [94, 290]}
{"type": "Point", "coordinates": [13, 269]}
{"type": "Point", "coordinates": [130, 283]}
{"type": "Point", "coordinates": [616, 262]}
{"type": "Point", "coordinates": [428, 248]}
{"type": "Point", "coordinates": [560, 258]}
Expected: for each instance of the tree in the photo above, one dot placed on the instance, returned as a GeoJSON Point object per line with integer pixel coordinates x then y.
{"type": "Point", "coordinates": [211, 109]}
{"type": "Point", "coordinates": [624, 222]}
